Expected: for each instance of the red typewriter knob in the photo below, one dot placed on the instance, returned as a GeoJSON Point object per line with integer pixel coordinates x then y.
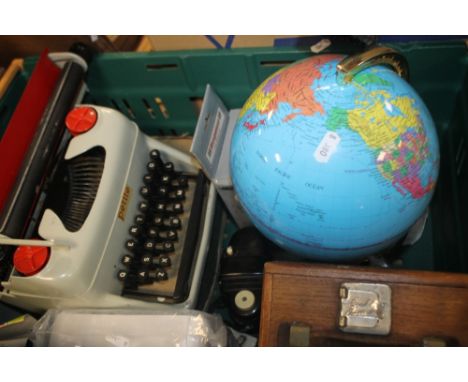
{"type": "Point", "coordinates": [80, 120]}
{"type": "Point", "coordinates": [30, 260]}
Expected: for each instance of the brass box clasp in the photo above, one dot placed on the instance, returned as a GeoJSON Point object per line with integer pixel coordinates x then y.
{"type": "Point", "coordinates": [365, 308]}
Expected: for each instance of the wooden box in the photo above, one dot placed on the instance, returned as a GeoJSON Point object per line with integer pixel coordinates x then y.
{"type": "Point", "coordinates": [302, 305]}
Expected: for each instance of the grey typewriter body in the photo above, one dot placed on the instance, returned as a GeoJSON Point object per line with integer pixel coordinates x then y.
{"type": "Point", "coordinates": [134, 231]}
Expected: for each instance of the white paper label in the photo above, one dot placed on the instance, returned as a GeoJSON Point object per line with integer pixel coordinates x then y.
{"type": "Point", "coordinates": [215, 135]}
{"type": "Point", "coordinates": [327, 147]}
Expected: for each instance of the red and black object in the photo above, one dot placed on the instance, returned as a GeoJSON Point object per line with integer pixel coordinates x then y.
{"type": "Point", "coordinates": [19, 134]}
{"type": "Point", "coordinates": [31, 142]}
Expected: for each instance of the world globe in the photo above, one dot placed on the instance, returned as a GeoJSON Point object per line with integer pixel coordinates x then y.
{"type": "Point", "coordinates": [333, 169]}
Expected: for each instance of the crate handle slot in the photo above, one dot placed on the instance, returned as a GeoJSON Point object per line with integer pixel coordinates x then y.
{"type": "Point", "coordinates": [276, 63]}
{"type": "Point", "coordinates": [161, 66]}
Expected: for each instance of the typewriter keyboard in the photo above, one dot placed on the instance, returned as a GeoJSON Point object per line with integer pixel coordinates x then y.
{"type": "Point", "coordinates": [161, 243]}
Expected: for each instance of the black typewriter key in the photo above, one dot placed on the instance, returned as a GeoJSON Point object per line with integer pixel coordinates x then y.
{"type": "Point", "coordinates": [134, 230]}
{"type": "Point", "coordinates": [143, 206]}
{"type": "Point", "coordinates": [168, 246]}
{"type": "Point", "coordinates": [143, 277]}
{"type": "Point", "coordinates": [148, 179]}
{"type": "Point", "coordinates": [161, 275]}
{"type": "Point", "coordinates": [165, 179]}
{"type": "Point", "coordinates": [152, 232]}
{"type": "Point", "coordinates": [147, 260]}
{"type": "Point", "coordinates": [169, 235]}
{"type": "Point", "coordinates": [164, 247]}
{"type": "Point", "coordinates": [183, 181]}
{"type": "Point", "coordinates": [178, 208]}
{"type": "Point", "coordinates": [145, 191]}
{"type": "Point", "coordinates": [152, 166]}
{"type": "Point", "coordinates": [122, 275]}
{"type": "Point", "coordinates": [161, 192]}
{"type": "Point", "coordinates": [139, 219]}
{"type": "Point", "coordinates": [177, 195]}
{"type": "Point", "coordinates": [161, 207]}
{"type": "Point", "coordinates": [130, 244]}
{"type": "Point", "coordinates": [127, 260]}
{"type": "Point", "coordinates": [174, 222]}
{"type": "Point", "coordinates": [148, 245]}
{"type": "Point", "coordinates": [158, 221]}
{"type": "Point", "coordinates": [180, 182]}
{"type": "Point", "coordinates": [164, 261]}
{"type": "Point", "coordinates": [171, 222]}
{"type": "Point", "coordinates": [168, 167]}
{"type": "Point", "coordinates": [155, 156]}
{"type": "Point", "coordinates": [158, 275]}
{"type": "Point", "coordinates": [173, 208]}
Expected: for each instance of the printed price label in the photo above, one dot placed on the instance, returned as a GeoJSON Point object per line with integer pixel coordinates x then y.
{"type": "Point", "coordinates": [327, 147]}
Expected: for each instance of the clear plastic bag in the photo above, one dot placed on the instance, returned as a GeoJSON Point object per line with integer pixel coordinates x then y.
{"type": "Point", "coordinates": [118, 327]}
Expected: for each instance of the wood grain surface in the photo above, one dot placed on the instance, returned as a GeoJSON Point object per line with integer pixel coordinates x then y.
{"type": "Point", "coordinates": [424, 304]}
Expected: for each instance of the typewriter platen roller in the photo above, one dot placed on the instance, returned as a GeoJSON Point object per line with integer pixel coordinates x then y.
{"type": "Point", "coordinates": [130, 219]}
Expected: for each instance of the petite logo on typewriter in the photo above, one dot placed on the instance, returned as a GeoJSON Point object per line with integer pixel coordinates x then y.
{"type": "Point", "coordinates": [124, 202]}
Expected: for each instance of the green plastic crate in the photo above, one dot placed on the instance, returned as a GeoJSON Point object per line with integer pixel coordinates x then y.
{"type": "Point", "coordinates": [161, 92]}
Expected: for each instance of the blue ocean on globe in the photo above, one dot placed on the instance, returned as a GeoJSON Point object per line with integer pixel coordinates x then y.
{"type": "Point", "coordinates": [333, 170]}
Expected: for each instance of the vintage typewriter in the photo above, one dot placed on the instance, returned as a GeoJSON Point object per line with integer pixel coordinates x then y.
{"type": "Point", "coordinates": [118, 219]}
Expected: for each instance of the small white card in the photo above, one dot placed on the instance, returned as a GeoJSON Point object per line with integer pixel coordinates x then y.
{"type": "Point", "coordinates": [327, 147]}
